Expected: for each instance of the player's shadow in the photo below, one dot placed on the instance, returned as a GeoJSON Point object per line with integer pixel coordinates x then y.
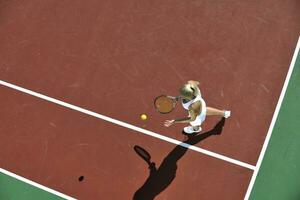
{"type": "Point", "coordinates": [160, 178]}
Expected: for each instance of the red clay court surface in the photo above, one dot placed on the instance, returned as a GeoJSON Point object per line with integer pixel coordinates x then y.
{"type": "Point", "coordinates": [113, 58]}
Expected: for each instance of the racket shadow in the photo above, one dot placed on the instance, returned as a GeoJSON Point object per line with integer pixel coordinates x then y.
{"type": "Point", "coordinates": [160, 178]}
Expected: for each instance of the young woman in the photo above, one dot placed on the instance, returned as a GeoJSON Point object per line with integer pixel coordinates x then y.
{"type": "Point", "coordinates": [193, 102]}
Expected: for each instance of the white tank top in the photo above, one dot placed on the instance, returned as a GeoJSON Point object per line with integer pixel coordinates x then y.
{"type": "Point", "coordinates": [198, 98]}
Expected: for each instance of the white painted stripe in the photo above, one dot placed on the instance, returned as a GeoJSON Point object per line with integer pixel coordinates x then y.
{"type": "Point", "coordinates": [126, 125]}
{"type": "Point", "coordinates": [275, 115]}
{"type": "Point", "coordinates": [35, 184]}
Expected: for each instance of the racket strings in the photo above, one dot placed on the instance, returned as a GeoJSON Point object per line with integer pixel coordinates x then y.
{"type": "Point", "coordinates": [164, 104]}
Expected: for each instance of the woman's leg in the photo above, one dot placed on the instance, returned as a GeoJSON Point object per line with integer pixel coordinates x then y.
{"type": "Point", "coordinates": [213, 111]}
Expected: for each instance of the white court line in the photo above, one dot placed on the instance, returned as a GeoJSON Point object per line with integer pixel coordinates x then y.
{"type": "Point", "coordinates": [35, 184]}
{"type": "Point", "coordinates": [275, 115]}
{"type": "Point", "coordinates": [129, 126]}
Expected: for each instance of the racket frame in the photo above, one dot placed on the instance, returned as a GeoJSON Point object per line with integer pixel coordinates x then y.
{"type": "Point", "coordinates": [174, 100]}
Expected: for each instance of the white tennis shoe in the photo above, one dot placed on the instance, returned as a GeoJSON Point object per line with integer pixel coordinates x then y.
{"type": "Point", "coordinates": [227, 113]}
{"type": "Point", "coordinates": [190, 130]}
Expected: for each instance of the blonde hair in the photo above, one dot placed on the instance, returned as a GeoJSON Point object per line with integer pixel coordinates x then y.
{"type": "Point", "coordinates": [189, 90]}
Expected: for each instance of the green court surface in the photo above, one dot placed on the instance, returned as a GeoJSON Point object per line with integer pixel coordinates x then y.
{"type": "Point", "coordinates": [14, 189]}
{"type": "Point", "coordinates": [279, 174]}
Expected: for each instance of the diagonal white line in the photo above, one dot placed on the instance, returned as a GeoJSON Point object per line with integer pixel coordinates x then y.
{"type": "Point", "coordinates": [275, 115]}
{"type": "Point", "coordinates": [126, 125]}
{"type": "Point", "coordinates": [35, 184]}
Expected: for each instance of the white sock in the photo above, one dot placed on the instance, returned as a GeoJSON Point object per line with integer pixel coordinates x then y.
{"type": "Point", "coordinates": [227, 113]}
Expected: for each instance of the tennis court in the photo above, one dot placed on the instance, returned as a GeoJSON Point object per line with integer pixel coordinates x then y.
{"type": "Point", "coordinates": [76, 76]}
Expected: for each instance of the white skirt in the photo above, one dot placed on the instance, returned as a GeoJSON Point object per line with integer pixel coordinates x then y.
{"type": "Point", "coordinates": [200, 118]}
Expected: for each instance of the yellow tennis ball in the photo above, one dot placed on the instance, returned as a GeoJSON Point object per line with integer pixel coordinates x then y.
{"type": "Point", "coordinates": [143, 117]}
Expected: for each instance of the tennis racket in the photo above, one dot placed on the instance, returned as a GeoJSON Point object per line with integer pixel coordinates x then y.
{"type": "Point", "coordinates": [142, 153]}
{"type": "Point", "coordinates": [165, 104]}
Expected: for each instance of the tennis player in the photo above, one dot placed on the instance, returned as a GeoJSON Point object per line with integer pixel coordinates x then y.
{"type": "Point", "coordinates": [192, 101]}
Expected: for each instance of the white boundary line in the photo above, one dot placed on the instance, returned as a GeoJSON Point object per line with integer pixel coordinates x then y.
{"type": "Point", "coordinates": [275, 115]}
{"type": "Point", "coordinates": [35, 184]}
{"type": "Point", "coordinates": [126, 125]}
